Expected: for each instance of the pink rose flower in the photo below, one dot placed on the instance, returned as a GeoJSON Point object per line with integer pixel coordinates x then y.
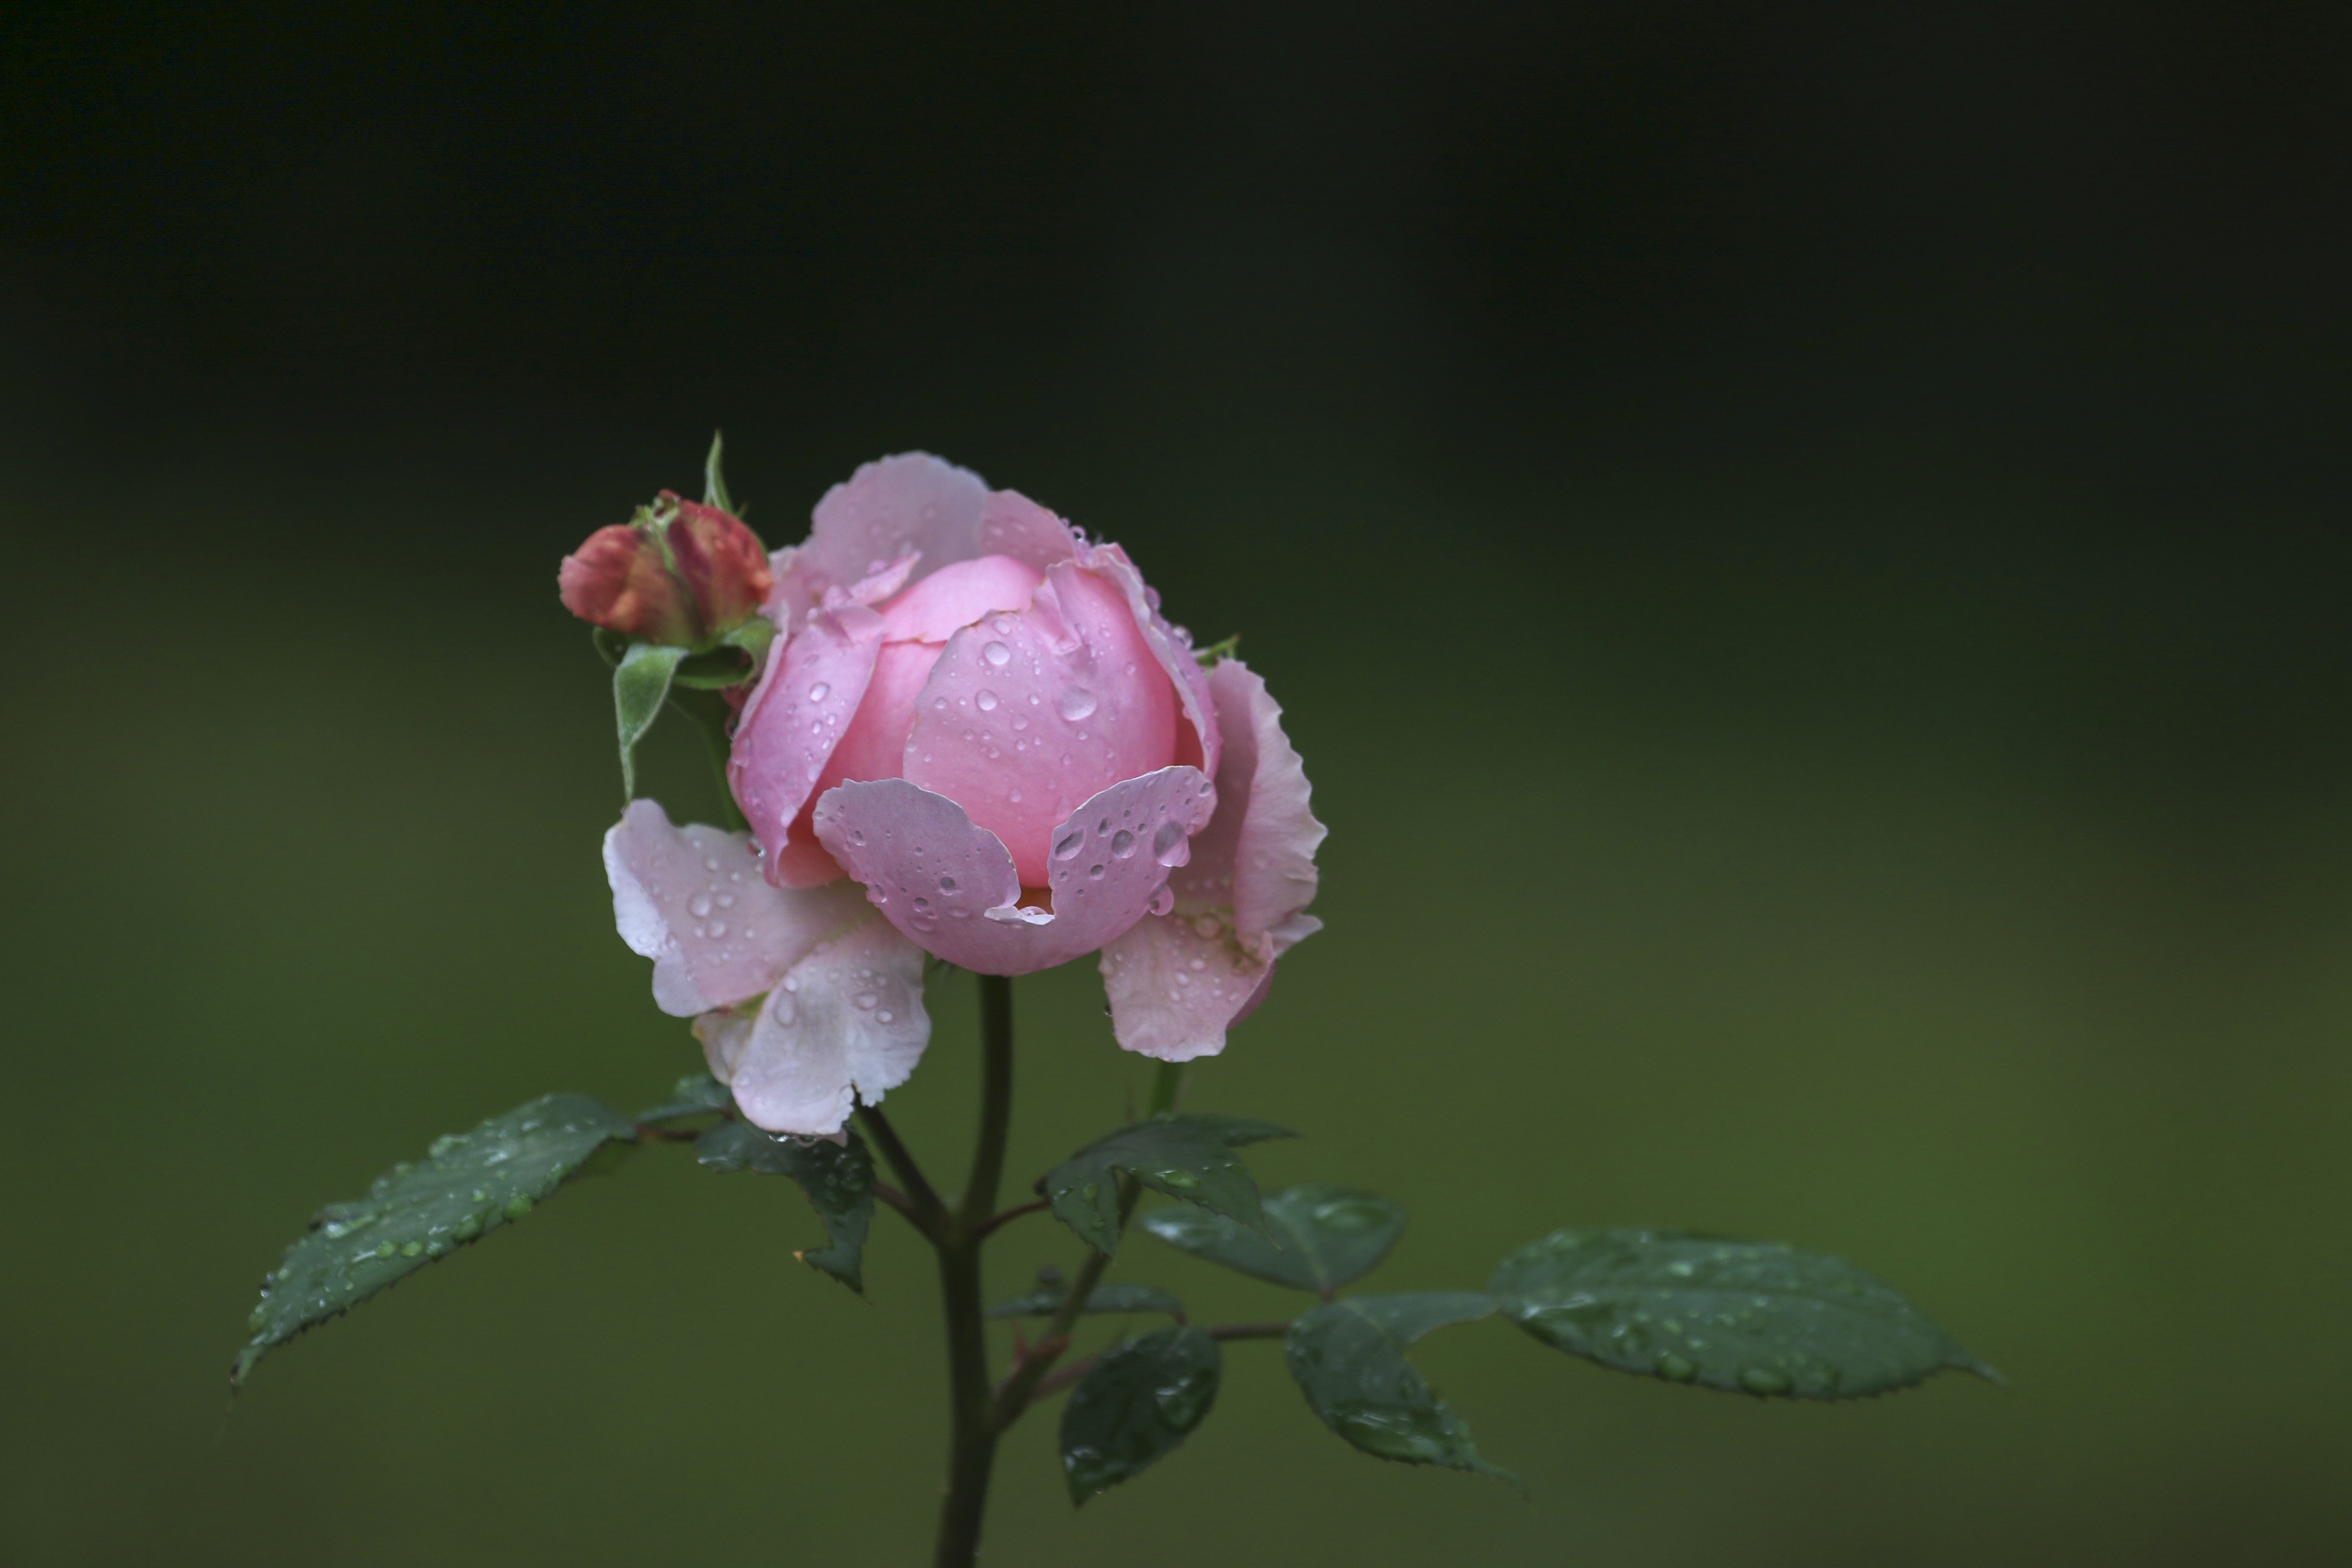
{"type": "Point", "coordinates": [983, 718]}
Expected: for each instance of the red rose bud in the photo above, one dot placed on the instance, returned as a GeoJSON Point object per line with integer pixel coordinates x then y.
{"type": "Point", "coordinates": [680, 574]}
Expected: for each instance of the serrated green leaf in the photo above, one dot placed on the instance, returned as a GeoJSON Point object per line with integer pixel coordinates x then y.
{"type": "Point", "coordinates": [1748, 1317]}
{"type": "Point", "coordinates": [696, 1094]}
{"type": "Point", "coordinates": [640, 685]}
{"type": "Point", "coordinates": [1185, 1156]}
{"type": "Point", "coordinates": [1136, 1404]}
{"type": "Point", "coordinates": [1323, 1237]}
{"type": "Point", "coordinates": [1348, 1359]}
{"type": "Point", "coordinates": [838, 1179]}
{"type": "Point", "coordinates": [469, 1184]}
{"type": "Point", "coordinates": [1046, 1300]}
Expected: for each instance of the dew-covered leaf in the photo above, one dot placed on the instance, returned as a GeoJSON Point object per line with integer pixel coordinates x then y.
{"type": "Point", "coordinates": [468, 1186]}
{"type": "Point", "coordinates": [1136, 1404]}
{"type": "Point", "coordinates": [1748, 1317]}
{"type": "Point", "coordinates": [1323, 1237]}
{"type": "Point", "coordinates": [838, 1179]}
{"type": "Point", "coordinates": [640, 685]}
{"type": "Point", "coordinates": [696, 1094]}
{"type": "Point", "coordinates": [1348, 1359]}
{"type": "Point", "coordinates": [1185, 1156]}
{"type": "Point", "coordinates": [1046, 1300]}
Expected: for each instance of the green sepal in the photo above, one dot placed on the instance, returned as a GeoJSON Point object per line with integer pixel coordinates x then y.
{"type": "Point", "coordinates": [469, 1184]}
{"type": "Point", "coordinates": [1188, 1156]}
{"type": "Point", "coordinates": [838, 1179]}
{"type": "Point", "coordinates": [1047, 1300]}
{"type": "Point", "coordinates": [1348, 1359]}
{"type": "Point", "coordinates": [1136, 1404]}
{"type": "Point", "coordinates": [696, 1094]}
{"type": "Point", "coordinates": [714, 483]}
{"type": "Point", "coordinates": [640, 685]}
{"type": "Point", "coordinates": [1742, 1316]}
{"type": "Point", "coordinates": [1322, 1237]}
{"type": "Point", "coordinates": [1224, 648]}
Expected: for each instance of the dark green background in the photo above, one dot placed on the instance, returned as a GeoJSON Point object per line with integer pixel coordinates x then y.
{"type": "Point", "coordinates": [1805, 555]}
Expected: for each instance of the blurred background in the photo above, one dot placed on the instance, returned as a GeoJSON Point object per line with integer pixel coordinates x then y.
{"type": "Point", "coordinates": [1803, 548]}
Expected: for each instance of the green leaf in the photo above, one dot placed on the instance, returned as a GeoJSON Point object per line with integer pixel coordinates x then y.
{"type": "Point", "coordinates": [1324, 1236]}
{"type": "Point", "coordinates": [1184, 1157]}
{"type": "Point", "coordinates": [838, 1179]}
{"type": "Point", "coordinates": [1136, 1404]}
{"type": "Point", "coordinates": [640, 685]}
{"type": "Point", "coordinates": [1748, 1317]}
{"type": "Point", "coordinates": [1348, 1359]}
{"type": "Point", "coordinates": [715, 670]}
{"type": "Point", "coordinates": [714, 483]}
{"type": "Point", "coordinates": [1045, 1302]}
{"type": "Point", "coordinates": [696, 1094]}
{"type": "Point", "coordinates": [469, 1184]}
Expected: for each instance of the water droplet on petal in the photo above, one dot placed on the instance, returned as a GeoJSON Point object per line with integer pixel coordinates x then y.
{"type": "Point", "coordinates": [885, 1015]}
{"type": "Point", "coordinates": [698, 906]}
{"type": "Point", "coordinates": [867, 1001]}
{"type": "Point", "coordinates": [1764, 1380]}
{"type": "Point", "coordinates": [1164, 899]}
{"type": "Point", "coordinates": [997, 655]}
{"type": "Point", "coordinates": [1167, 842]}
{"type": "Point", "coordinates": [946, 884]}
{"type": "Point", "coordinates": [1070, 844]}
{"type": "Point", "coordinates": [985, 701]}
{"type": "Point", "coordinates": [1122, 843]}
{"type": "Point", "coordinates": [1075, 704]}
{"type": "Point", "coordinates": [1094, 870]}
{"type": "Point", "coordinates": [718, 929]}
{"type": "Point", "coordinates": [820, 692]}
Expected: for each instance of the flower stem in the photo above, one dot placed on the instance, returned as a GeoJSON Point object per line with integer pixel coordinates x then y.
{"type": "Point", "coordinates": [971, 1450]}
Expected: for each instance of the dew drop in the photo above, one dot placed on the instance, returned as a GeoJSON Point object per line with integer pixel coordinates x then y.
{"type": "Point", "coordinates": [857, 836]}
{"type": "Point", "coordinates": [726, 900]}
{"type": "Point", "coordinates": [718, 929]}
{"type": "Point", "coordinates": [698, 905]}
{"type": "Point", "coordinates": [946, 884]}
{"type": "Point", "coordinates": [820, 692]}
{"type": "Point", "coordinates": [986, 701]}
{"type": "Point", "coordinates": [1021, 722]}
{"type": "Point", "coordinates": [1122, 843]}
{"type": "Point", "coordinates": [1199, 965]}
{"type": "Point", "coordinates": [1094, 871]}
{"type": "Point", "coordinates": [1075, 704]}
{"type": "Point", "coordinates": [997, 655]}
{"type": "Point", "coordinates": [1167, 842]}
{"type": "Point", "coordinates": [1675, 1369]}
{"type": "Point", "coordinates": [1764, 1380]}
{"type": "Point", "coordinates": [1164, 899]}
{"type": "Point", "coordinates": [1070, 844]}
{"type": "Point", "coordinates": [867, 1001]}
{"type": "Point", "coordinates": [886, 1015]}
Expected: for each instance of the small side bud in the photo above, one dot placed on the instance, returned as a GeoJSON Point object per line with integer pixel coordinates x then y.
{"type": "Point", "coordinates": [680, 574]}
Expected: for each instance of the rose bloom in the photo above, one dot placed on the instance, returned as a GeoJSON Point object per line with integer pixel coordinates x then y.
{"type": "Point", "coordinates": [985, 720]}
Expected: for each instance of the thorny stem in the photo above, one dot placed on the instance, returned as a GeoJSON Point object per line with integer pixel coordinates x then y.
{"type": "Point", "coordinates": [971, 1451]}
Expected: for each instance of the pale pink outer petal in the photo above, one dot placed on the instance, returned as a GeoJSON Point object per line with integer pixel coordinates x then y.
{"type": "Point", "coordinates": [845, 1023]}
{"type": "Point", "coordinates": [1012, 524]}
{"type": "Point", "coordinates": [691, 898]}
{"type": "Point", "coordinates": [796, 717]}
{"type": "Point", "coordinates": [1024, 716]}
{"type": "Point", "coordinates": [951, 887]}
{"type": "Point", "coordinates": [955, 596]}
{"type": "Point", "coordinates": [1177, 982]}
{"type": "Point", "coordinates": [1174, 652]}
{"type": "Point", "coordinates": [911, 501]}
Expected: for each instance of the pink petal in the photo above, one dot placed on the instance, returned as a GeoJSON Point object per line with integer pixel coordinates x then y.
{"type": "Point", "coordinates": [1012, 524]}
{"type": "Point", "coordinates": [1177, 982]}
{"type": "Point", "coordinates": [796, 716]}
{"type": "Point", "coordinates": [1026, 715]}
{"type": "Point", "coordinates": [911, 501]}
{"type": "Point", "coordinates": [951, 887]}
{"type": "Point", "coordinates": [955, 596]}
{"type": "Point", "coordinates": [847, 1024]}
{"type": "Point", "coordinates": [691, 898]}
{"type": "Point", "coordinates": [875, 744]}
{"type": "Point", "coordinates": [1173, 652]}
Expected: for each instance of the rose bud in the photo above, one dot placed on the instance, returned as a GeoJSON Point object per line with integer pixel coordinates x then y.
{"type": "Point", "coordinates": [680, 574]}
